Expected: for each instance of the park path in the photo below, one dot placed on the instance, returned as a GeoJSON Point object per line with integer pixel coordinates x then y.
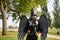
{"type": "Point", "coordinates": [53, 36]}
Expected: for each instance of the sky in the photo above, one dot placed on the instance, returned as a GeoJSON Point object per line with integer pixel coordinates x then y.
{"type": "Point", "coordinates": [50, 9]}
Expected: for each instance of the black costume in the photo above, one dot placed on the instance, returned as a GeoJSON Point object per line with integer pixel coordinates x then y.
{"type": "Point", "coordinates": [43, 26]}
{"type": "Point", "coordinates": [40, 25]}
{"type": "Point", "coordinates": [33, 27]}
{"type": "Point", "coordinates": [25, 24]}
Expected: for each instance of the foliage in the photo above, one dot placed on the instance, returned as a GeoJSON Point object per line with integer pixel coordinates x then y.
{"type": "Point", "coordinates": [56, 14]}
{"type": "Point", "coordinates": [23, 7]}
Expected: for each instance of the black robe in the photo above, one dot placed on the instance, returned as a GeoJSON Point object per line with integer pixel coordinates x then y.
{"type": "Point", "coordinates": [33, 27]}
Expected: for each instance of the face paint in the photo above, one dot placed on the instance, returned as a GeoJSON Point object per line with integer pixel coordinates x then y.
{"type": "Point", "coordinates": [34, 17]}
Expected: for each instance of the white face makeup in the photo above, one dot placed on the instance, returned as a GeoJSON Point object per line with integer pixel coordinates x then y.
{"type": "Point", "coordinates": [34, 17]}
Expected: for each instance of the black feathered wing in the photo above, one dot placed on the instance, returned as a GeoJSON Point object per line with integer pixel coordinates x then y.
{"type": "Point", "coordinates": [39, 25]}
{"type": "Point", "coordinates": [43, 24]}
{"type": "Point", "coordinates": [22, 25]}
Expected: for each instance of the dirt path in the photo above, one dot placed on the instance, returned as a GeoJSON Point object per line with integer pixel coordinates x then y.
{"type": "Point", "coordinates": [53, 36]}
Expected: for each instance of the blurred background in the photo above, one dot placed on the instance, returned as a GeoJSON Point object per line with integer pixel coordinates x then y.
{"type": "Point", "coordinates": [11, 12]}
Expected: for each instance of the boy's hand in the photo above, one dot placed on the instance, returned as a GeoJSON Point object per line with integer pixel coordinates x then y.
{"type": "Point", "coordinates": [36, 34]}
{"type": "Point", "coordinates": [28, 31]}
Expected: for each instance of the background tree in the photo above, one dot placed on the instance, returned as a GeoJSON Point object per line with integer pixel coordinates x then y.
{"type": "Point", "coordinates": [50, 21]}
{"type": "Point", "coordinates": [24, 6]}
{"type": "Point", "coordinates": [56, 14]}
{"type": "Point", "coordinates": [4, 9]}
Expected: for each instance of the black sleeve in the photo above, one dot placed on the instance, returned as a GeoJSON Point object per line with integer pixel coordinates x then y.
{"type": "Point", "coordinates": [39, 27]}
{"type": "Point", "coordinates": [26, 27]}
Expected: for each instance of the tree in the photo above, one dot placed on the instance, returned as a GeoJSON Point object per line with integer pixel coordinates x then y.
{"type": "Point", "coordinates": [42, 3]}
{"type": "Point", "coordinates": [49, 21]}
{"type": "Point", "coordinates": [4, 9]}
{"type": "Point", "coordinates": [0, 16]}
{"type": "Point", "coordinates": [56, 14]}
{"type": "Point", "coordinates": [21, 7]}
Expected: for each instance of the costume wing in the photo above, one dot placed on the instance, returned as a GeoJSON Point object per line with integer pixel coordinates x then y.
{"type": "Point", "coordinates": [22, 25]}
{"type": "Point", "coordinates": [39, 25]}
{"type": "Point", "coordinates": [43, 24]}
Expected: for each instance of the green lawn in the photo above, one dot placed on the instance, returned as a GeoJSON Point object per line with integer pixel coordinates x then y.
{"type": "Point", "coordinates": [8, 37]}
{"type": "Point", "coordinates": [13, 36]}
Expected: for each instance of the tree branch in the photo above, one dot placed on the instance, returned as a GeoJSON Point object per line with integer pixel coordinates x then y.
{"type": "Point", "coordinates": [2, 8]}
{"type": "Point", "coordinates": [5, 6]}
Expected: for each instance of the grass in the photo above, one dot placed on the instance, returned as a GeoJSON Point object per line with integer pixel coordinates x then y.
{"type": "Point", "coordinates": [12, 35]}
{"type": "Point", "coordinates": [8, 37]}
{"type": "Point", "coordinates": [53, 32]}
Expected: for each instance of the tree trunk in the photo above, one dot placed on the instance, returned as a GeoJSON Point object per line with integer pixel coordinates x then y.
{"type": "Point", "coordinates": [4, 22]}
{"type": "Point", "coordinates": [4, 19]}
